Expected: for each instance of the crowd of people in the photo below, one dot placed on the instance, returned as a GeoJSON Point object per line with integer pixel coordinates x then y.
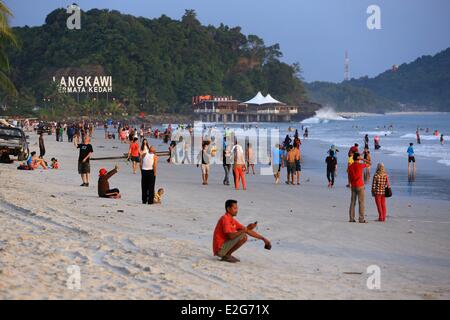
{"type": "Point", "coordinates": [238, 159]}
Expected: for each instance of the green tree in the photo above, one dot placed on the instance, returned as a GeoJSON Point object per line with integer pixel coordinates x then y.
{"type": "Point", "coordinates": [7, 38]}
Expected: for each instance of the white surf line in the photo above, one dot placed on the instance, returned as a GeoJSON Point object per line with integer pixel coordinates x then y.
{"type": "Point", "coordinates": [426, 221]}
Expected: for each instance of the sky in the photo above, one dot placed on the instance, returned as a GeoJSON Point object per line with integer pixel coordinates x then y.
{"type": "Point", "coordinates": [315, 33]}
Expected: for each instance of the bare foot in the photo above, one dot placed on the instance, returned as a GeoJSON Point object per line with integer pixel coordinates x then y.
{"type": "Point", "coordinates": [228, 259]}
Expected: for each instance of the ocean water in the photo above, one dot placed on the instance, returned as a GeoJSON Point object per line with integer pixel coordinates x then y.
{"type": "Point", "coordinates": [396, 131]}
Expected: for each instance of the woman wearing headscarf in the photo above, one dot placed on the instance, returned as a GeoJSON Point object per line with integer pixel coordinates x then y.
{"type": "Point", "coordinates": [379, 184]}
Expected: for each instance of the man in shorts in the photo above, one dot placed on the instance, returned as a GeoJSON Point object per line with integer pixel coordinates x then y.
{"type": "Point", "coordinates": [411, 158]}
{"type": "Point", "coordinates": [84, 168]}
{"type": "Point", "coordinates": [230, 235]}
{"type": "Point", "coordinates": [204, 159]}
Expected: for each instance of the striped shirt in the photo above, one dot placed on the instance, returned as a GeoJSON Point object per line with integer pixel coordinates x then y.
{"type": "Point", "coordinates": [379, 184]}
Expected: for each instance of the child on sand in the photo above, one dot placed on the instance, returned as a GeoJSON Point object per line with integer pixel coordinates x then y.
{"type": "Point", "coordinates": [158, 195]}
{"type": "Point", "coordinates": [55, 164]}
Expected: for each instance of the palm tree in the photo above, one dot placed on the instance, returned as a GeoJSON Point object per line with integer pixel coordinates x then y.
{"type": "Point", "coordinates": [6, 38]}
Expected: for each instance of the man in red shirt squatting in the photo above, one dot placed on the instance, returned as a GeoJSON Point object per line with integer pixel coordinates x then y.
{"type": "Point", "coordinates": [355, 173]}
{"type": "Point", "coordinates": [230, 235]}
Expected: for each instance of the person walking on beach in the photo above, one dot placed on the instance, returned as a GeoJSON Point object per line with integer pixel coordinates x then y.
{"type": "Point", "coordinates": [84, 168]}
{"type": "Point", "coordinates": [349, 163]}
{"type": "Point", "coordinates": [298, 158]}
{"type": "Point", "coordinates": [133, 154]}
{"type": "Point", "coordinates": [239, 166]}
{"type": "Point", "coordinates": [76, 136]}
{"type": "Point", "coordinates": [148, 166]}
{"type": "Point", "coordinates": [379, 184]}
{"type": "Point", "coordinates": [187, 148]}
{"type": "Point", "coordinates": [229, 235]}
{"type": "Point", "coordinates": [61, 133]}
{"type": "Point", "coordinates": [367, 157]}
{"type": "Point", "coordinates": [250, 157]}
{"type": "Point", "coordinates": [145, 148]}
{"type": "Point", "coordinates": [277, 162]}
{"type": "Point", "coordinates": [290, 164]}
{"type": "Point", "coordinates": [331, 162]}
{"type": "Point", "coordinates": [226, 161]}
{"type": "Point", "coordinates": [355, 172]}
{"type": "Point", "coordinates": [204, 159]}
{"type": "Point", "coordinates": [103, 184]}
{"type": "Point", "coordinates": [41, 145]}
{"type": "Point", "coordinates": [411, 158]}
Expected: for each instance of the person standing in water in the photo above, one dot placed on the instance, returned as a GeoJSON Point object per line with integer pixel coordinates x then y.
{"type": "Point", "coordinates": [366, 141]}
{"type": "Point", "coordinates": [367, 157]}
{"type": "Point", "coordinates": [418, 136]}
{"type": "Point", "coordinates": [442, 139]}
{"type": "Point", "coordinates": [411, 158]}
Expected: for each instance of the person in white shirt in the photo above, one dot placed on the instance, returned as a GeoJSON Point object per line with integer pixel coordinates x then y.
{"type": "Point", "coordinates": [149, 163]}
{"type": "Point", "coordinates": [239, 166]}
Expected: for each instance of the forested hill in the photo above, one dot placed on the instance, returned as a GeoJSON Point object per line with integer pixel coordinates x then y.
{"type": "Point", "coordinates": [157, 64]}
{"type": "Point", "coordinates": [423, 84]}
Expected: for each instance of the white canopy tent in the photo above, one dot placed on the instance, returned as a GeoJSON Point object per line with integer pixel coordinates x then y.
{"type": "Point", "coordinates": [259, 99]}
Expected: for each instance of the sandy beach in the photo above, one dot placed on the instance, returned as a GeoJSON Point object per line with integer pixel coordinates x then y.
{"type": "Point", "coordinates": [127, 250]}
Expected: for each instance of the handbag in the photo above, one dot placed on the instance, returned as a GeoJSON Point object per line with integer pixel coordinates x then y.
{"type": "Point", "coordinates": [388, 189]}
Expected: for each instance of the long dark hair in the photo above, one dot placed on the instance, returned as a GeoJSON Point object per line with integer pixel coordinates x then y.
{"type": "Point", "coordinates": [144, 142]}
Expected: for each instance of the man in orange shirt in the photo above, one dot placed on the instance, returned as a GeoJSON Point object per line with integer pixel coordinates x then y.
{"type": "Point", "coordinates": [355, 175]}
{"type": "Point", "coordinates": [230, 235]}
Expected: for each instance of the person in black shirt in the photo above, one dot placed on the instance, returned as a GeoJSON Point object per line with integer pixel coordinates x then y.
{"type": "Point", "coordinates": [331, 168]}
{"type": "Point", "coordinates": [84, 168]}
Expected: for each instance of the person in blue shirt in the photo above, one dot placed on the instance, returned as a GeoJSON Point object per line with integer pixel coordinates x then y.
{"type": "Point", "coordinates": [277, 163]}
{"type": "Point", "coordinates": [411, 158]}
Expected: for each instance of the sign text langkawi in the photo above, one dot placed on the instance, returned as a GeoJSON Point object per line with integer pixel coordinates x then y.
{"type": "Point", "coordinates": [84, 84]}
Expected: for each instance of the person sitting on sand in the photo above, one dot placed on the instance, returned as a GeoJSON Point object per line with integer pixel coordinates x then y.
{"type": "Point", "coordinates": [103, 184]}
{"type": "Point", "coordinates": [55, 164]}
{"type": "Point", "coordinates": [34, 162]}
{"type": "Point", "coordinates": [158, 195]}
{"type": "Point", "coordinates": [230, 235]}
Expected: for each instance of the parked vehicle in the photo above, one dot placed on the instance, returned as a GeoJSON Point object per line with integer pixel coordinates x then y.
{"type": "Point", "coordinates": [45, 128]}
{"type": "Point", "coordinates": [14, 142]}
